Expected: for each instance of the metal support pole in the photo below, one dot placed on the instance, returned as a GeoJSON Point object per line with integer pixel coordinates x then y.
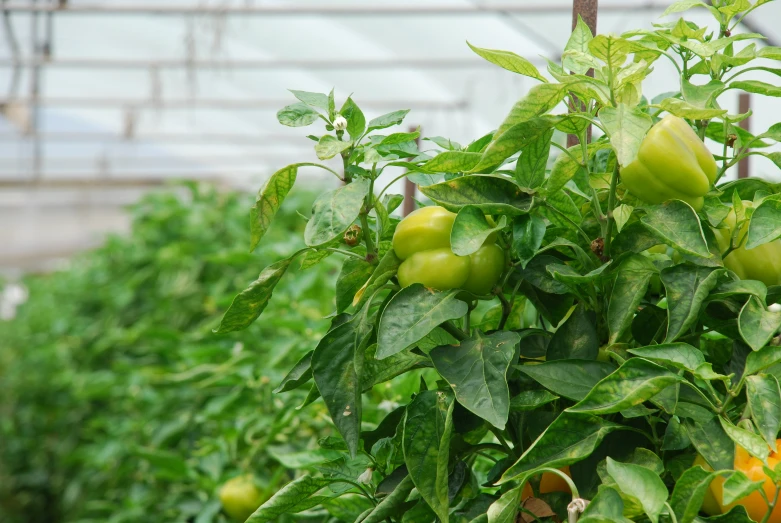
{"type": "Point", "coordinates": [744, 106]}
{"type": "Point", "coordinates": [587, 10]}
{"type": "Point", "coordinates": [35, 91]}
{"type": "Point", "coordinates": [409, 187]}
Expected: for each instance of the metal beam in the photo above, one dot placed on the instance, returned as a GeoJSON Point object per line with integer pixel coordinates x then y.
{"type": "Point", "coordinates": [222, 104]}
{"type": "Point", "coordinates": [228, 64]}
{"type": "Point", "coordinates": [326, 10]}
{"type": "Point", "coordinates": [140, 139]}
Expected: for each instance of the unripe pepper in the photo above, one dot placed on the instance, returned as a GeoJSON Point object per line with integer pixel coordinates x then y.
{"type": "Point", "coordinates": [761, 263]}
{"type": "Point", "coordinates": [240, 497]}
{"type": "Point", "coordinates": [422, 242]}
{"type": "Point", "coordinates": [754, 503]}
{"type": "Point", "coordinates": [672, 163]}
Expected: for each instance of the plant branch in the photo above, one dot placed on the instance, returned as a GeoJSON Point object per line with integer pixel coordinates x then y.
{"type": "Point", "coordinates": [453, 331]}
{"type": "Point", "coordinates": [611, 203]}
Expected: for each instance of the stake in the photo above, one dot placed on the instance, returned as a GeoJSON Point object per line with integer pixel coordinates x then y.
{"type": "Point", "coordinates": [409, 187]}
{"type": "Point", "coordinates": [587, 9]}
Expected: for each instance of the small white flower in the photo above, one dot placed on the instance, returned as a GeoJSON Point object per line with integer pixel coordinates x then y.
{"type": "Point", "coordinates": [774, 307]}
{"type": "Point", "coordinates": [366, 477]}
{"type": "Point", "coordinates": [340, 123]}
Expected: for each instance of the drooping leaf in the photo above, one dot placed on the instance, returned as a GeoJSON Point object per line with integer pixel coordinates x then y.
{"type": "Point", "coordinates": [334, 211]}
{"type": "Point", "coordinates": [626, 126]}
{"type": "Point", "coordinates": [757, 325]}
{"type": "Point", "coordinates": [471, 229]}
{"type": "Point", "coordinates": [576, 339]}
{"type": "Point", "coordinates": [764, 400]}
{"type": "Point", "coordinates": [636, 381]}
{"type": "Point", "coordinates": [337, 367]}
{"type": "Point", "coordinates": [632, 279]}
{"type": "Point", "coordinates": [294, 497]}
{"type": "Point", "coordinates": [250, 303]}
{"type": "Point", "coordinates": [510, 61]}
{"type": "Point", "coordinates": [411, 314]}
{"type": "Point", "coordinates": [269, 200]}
{"type": "Point", "coordinates": [477, 371]}
{"type": "Point", "coordinates": [572, 379]}
{"type": "Point", "coordinates": [687, 288]}
{"type": "Point", "coordinates": [428, 426]}
{"type": "Point", "coordinates": [570, 438]}
{"type": "Point", "coordinates": [491, 194]}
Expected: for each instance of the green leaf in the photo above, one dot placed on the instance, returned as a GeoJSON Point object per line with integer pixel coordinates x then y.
{"type": "Point", "coordinates": [386, 269]}
{"type": "Point", "coordinates": [505, 509]}
{"type": "Point", "coordinates": [632, 279]}
{"type": "Point", "coordinates": [539, 100]}
{"type": "Point", "coordinates": [250, 303]}
{"type": "Point", "coordinates": [391, 503]}
{"type": "Point", "coordinates": [329, 146]}
{"type": "Point", "coordinates": [738, 288]}
{"type": "Point", "coordinates": [641, 483]}
{"type": "Point", "coordinates": [688, 110]}
{"type": "Point", "coordinates": [337, 366]}
{"type": "Point", "coordinates": [510, 61]}
{"type": "Point", "coordinates": [679, 355]}
{"type": "Point", "coordinates": [606, 507]}
{"type": "Point", "coordinates": [576, 339]}
{"type": "Point", "coordinates": [531, 164]}
{"type": "Point", "coordinates": [268, 202]}
{"type": "Point", "coordinates": [756, 324]}
{"type": "Point", "coordinates": [572, 379]}
{"type": "Point", "coordinates": [334, 211]}
{"type": "Point", "coordinates": [753, 443]}
{"type": "Point", "coordinates": [531, 400]}
{"type": "Point", "coordinates": [683, 5]}
{"type": "Point", "coordinates": [528, 233]}
{"type": "Point", "coordinates": [513, 140]}
{"type": "Point", "coordinates": [428, 426]}
{"type": "Point", "coordinates": [452, 162]}
{"type": "Point", "coordinates": [757, 87]}
{"type": "Point", "coordinates": [689, 493]}
{"type": "Point", "coordinates": [626, 127]}
{"type": "Point", "coordinates": [565, 167]}
{"type": "Point", "coordinates": [758, 361]}
{"type": "Point", "coordinates": [354, 274]}
{"type": "Point", "coordinates": [687, 288]}
{"type": "Point", "coordinates": [711, 442]}
{"type": "Point", "coordinates": [765, 224]}
{"type": "Point", "coordinates": [387, 120]}
{"type": "Point", "coordinates": [578, 41]}
{"type": "Point", "coordinates": [636, 381]}
{"type": "Point", "coordinates": [471, 229]}
{"type": "Point", "coordinates": [738, 486]}
{"type": "Point", "coordinates": [300, 374]}
{"type": "Point", "coordinates": [477, 372]}
{"type": "Point", "coordinates": [294, 497]}
{"type": "Point", "coordinates": [569, 439]}
{"type": "Point", "coordinates": [297, 115]}
{"type": "Point", "coordinates": [319, 100]}
{"type": "Point", "coordinates": [491, 194]}
{"type": "Point", "coordinates": [413, 313]}
{"type": "Point", "coordinates": [764, 400]}
{"type": "Point", "coordinates": [356, 121]}
{"type": "Point", "coordinates": [676, 223]}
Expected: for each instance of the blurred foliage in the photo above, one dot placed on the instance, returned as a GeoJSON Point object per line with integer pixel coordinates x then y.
{"type": "Point", "coordinates": [119, 403]}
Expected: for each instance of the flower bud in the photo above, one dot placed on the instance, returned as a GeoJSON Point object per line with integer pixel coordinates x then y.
{"type": "Point", "coordinates": [366, 477]}
{"type": "Point", "coordinates": [340, 123]}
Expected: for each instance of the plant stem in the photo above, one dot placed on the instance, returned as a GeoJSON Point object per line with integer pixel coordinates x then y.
{"type": "Point", "coordinates": [371, 251]}
{"type": "Point", "coordinates": [502, 441]}
{"type": "Point", "coordinates": [346, 253]}
{"type": "Point", "coordinates": [453, 331]}
{"type": "Point", "coordinates": [771, 506]}
{"type": "Point", "coordinates": [671, 513]}
{"type": "Point", "coordinates": [611, 203]}
{"type": "Point", "coordinates": [506, 309]}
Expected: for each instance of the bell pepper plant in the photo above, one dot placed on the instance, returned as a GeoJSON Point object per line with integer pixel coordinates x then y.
{"type": "Point", "coordinates": [582, 322]}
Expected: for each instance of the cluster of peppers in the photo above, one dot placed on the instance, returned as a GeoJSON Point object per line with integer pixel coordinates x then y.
{"type": "Point", "coordinates": [672, 163]}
